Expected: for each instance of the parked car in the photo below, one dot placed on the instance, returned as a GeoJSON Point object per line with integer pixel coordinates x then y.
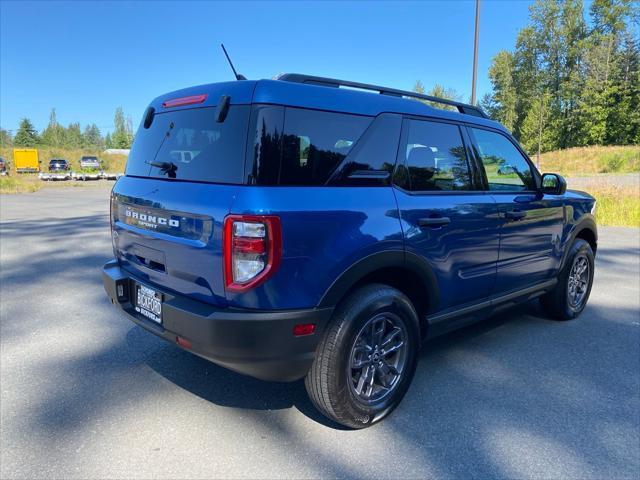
{"type": "Point", "coordinates": [58, 165]}
{"type": "Point", "coordinates": [4, 168]}
{"type": "Point", "coordinates": [88, 162]}
{"type": "Point", "coordinates": [321, 232]}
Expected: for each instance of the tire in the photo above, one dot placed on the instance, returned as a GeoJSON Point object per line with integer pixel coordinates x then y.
{"type": "Point", "coordinates": [376, 327]}
{"type": "Point", "coordinates": [561, 303]}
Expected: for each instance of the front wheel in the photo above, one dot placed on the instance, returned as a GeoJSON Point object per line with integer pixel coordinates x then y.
{"type": "Point", "coordinates": [570, 295]}
{"type": "Point", "coordinates": [367, 358]}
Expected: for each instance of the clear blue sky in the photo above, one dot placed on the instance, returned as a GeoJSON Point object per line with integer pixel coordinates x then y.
{"type": "Point", "coordinates": [86, 58]}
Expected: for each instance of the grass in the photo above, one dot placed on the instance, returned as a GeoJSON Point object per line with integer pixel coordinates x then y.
{"type": "Point", "coordinates": [13, 184]}
{"type": "Point", "coordinates": [617, 206]}
{"type": "Point", "coordinates": [581, 161]}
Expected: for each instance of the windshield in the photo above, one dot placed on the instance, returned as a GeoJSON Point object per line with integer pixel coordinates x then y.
{"type": "Point", "coordinates": [190, 145]}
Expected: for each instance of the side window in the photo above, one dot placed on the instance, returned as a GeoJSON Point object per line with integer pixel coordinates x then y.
{"type": "Point", "coordinates": [506, 168]}
{"type": "Point", "coordinates": [315, 143]}
{"type": "Point", "coordinates": [435, 157]}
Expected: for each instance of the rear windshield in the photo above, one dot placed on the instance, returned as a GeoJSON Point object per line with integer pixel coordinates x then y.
{"type": "Point", "coordinates": [190, 145]}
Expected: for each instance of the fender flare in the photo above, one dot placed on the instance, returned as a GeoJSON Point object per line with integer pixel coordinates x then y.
{"type": "Point", "coordinates": [586, 222]}
{"type": "Point", "coordinates": [376, 261]}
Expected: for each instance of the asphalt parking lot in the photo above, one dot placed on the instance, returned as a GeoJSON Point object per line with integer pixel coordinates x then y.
{"type": "Point", "coordinates": [86, 394]}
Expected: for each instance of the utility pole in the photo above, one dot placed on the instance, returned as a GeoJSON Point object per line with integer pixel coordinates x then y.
{"type": "Point", "coordinates": [475, 54]}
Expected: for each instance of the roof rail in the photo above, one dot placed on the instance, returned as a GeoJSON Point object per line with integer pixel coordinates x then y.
{"type": "Point", "coordinates": [332, 82]}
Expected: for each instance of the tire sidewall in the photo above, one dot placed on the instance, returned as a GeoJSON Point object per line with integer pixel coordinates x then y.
{"type": "Point", "coordinates": [580, 247]}
{"type": "Point", "coordinates": [356, 317]}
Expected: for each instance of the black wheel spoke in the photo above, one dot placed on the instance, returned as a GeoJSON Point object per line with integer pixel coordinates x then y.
{"type": "Point", "coordinates": [377, 357]}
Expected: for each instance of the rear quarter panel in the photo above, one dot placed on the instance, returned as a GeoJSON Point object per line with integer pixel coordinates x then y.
{"type": "Point", "coordinates": [324, 231]}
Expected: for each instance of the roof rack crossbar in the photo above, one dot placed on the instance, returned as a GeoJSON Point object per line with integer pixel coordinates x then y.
{"type": "Point", "coordinates": [332, 82]}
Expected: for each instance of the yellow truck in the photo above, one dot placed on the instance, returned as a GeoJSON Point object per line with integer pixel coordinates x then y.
{"type": "Point", "coordinates": [25, 160]}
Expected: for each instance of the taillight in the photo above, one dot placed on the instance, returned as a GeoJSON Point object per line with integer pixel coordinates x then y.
{"type": "Point", "coordinates": [252, 250]}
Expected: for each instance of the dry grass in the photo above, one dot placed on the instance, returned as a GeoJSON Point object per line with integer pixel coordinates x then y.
{"type": "Point", "coordinates": [582, 161]}
{"type": "Point", "coordinates": [21, 184]}
{"type": "Point", "coordinates": [616, 206]}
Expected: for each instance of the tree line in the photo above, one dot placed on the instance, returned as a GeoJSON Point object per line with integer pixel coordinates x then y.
{"type": "Point", "coordinates": [570, 81]}
{"type": "Point", "coordinates": [72, 136]}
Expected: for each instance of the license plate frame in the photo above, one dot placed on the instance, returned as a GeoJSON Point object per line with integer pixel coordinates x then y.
{"type": "Point", "coordinates": [148, 303]}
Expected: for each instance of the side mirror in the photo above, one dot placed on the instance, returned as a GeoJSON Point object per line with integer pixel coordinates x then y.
{"type": "Point", "coordinates": [553, 184]}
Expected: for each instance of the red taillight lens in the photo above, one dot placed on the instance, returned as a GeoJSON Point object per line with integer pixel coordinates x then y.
{"type": "Point", "coordinates": [179, 102]}
{"type": "Point", "coordinates": [252, 250]}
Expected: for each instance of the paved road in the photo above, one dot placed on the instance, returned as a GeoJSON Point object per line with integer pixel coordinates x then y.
{"type": "Point", "coordinates": [605, 179]}
{"type": "Point", "coordinates": [86, 394]}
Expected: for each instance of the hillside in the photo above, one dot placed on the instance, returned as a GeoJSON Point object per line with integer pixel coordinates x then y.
{"type": "Point", "coordinates": [583, 161]}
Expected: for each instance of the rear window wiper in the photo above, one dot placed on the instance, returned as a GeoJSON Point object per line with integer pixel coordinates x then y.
{"type": "Point", "coordinates": [168, 168]}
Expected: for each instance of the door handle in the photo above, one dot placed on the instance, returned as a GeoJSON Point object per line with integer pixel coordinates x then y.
{"type": "Point", "coordinates": [434, 221]}
{"type": "Point", "coordinates": [515, 215]}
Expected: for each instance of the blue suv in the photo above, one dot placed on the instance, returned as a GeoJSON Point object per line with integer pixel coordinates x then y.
{"type": "Point", "coordinates": [307, 227]}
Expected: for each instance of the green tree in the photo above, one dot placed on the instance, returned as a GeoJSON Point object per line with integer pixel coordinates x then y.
{"type": "Point", "coordinates": [122, 136]}
{"type": "Point", "coordinates": [26, 136]}
{"type": "Point", "coordinates": [537, 137]}
{"type": "Point", "coordinates": [437, 91]}
{"type": "Point", "coordinates": [92, 137]}
{"type": "Point", "coordinates": [583, 82]}
{"type": "Point", "coordinates": [73, 136]}
{"type": "Point", "coordinates": [505, 97]}
{"type": "Point", "coordinates": [54, 134]}
{"type": "Point", "coordinates": [6, 140]}
{"type": "Point", "coordinates": [107, 141]}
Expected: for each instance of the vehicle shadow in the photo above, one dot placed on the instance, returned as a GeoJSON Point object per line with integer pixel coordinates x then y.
{"type": "Point", "coordinates": [226, 388]}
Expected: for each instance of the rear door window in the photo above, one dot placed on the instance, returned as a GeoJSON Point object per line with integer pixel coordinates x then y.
{"type": "Point", "coordinates": [190, 145]}
{"type": "Point", "coordinates": [434, 157]}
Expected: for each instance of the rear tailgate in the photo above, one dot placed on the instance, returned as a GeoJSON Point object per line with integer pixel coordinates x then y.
{"type": "Point", "coordinates": [170, 234]}
{"type": "Point", "coordinates": [182, 175]}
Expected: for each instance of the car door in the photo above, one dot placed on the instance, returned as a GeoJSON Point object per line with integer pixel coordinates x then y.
{"type": "Point", "coordinates": [531, 223]}
{"type": "Point", "coordinates": [446, 218]}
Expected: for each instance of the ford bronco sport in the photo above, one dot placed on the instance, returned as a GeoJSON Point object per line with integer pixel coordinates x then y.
{"type": "Point", "coordinates": [293, 228]}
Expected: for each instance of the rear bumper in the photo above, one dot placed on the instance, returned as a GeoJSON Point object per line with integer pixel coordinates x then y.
{"type": "Point", "coordinates": [256, 343]}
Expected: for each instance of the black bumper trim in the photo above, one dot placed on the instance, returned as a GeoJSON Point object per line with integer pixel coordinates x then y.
{"type": "Point", "coordinates": [256, 343]}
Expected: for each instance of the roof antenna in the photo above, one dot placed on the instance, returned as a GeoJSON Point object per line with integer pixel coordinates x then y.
{"type": "Point", "coordinates": [238, 76]}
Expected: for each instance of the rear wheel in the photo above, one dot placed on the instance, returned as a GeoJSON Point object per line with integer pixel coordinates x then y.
{"type": "Point", "coordinates": [367, 358]}
{"type": "Point", "coordinates": [570, 295]}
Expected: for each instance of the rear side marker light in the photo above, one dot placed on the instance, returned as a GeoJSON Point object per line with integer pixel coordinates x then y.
{"type": "Point", "coordinates": [252, 248]}
{"type": "Point", "coordinates": [179, 102]}
{"type": "Point", "coordinates": [183, 342]}
{"type": "Point", "coordinates": [302, 329]}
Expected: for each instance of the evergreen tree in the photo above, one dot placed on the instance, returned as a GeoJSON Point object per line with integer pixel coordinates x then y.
{"type": "Point", "coordinates": [122, 135]}
{"type": "Point", "coordinates": [92, 137]}
{"type": "Point", "coordinates": [54, 134]}
{"type": "Point", "coordinates": [73, 136]}
{"type": "Point", "coordinates": [26, 136]}
{"type": "Point", "coordinates": [107, 141]}
{"type": "Point", "coordinates": [6, 140]}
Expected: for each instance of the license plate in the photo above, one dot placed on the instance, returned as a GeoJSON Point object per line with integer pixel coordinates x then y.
{"type": "Point", "coordinates": [149, 303]}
